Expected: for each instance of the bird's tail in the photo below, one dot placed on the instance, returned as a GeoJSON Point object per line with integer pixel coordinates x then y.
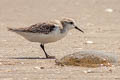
{"type": "Point", "coordinates": [18, 31]}
{"type": "Point", "coordinates": [13, 29]}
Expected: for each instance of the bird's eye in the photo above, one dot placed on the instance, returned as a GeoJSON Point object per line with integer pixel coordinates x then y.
{"type": "Point", "coordinates": [71, 22]}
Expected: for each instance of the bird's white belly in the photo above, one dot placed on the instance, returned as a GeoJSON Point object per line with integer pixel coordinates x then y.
{"type": "Point", "coordinates": [41, 38]}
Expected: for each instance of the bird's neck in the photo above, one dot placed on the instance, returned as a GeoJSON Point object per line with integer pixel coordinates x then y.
{"type": "Point", "coordinates": [65, 29]}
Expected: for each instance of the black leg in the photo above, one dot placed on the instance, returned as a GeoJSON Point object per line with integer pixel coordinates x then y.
{"type": "Point", "coordinates": [42, 46]}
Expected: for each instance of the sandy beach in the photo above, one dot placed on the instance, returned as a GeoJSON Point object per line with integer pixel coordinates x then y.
{"type": "Point", "coordinates": [24, 60]}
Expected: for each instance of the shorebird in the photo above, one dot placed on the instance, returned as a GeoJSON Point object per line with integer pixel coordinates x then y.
{"type": "Point", "coordinates": [47, 32]}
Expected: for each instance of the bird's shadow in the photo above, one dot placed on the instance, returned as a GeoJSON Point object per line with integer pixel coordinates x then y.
{"type": "Point", "coordinates": [27, 58]}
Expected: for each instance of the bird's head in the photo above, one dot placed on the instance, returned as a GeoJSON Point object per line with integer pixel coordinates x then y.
{"type": "Point", "coordinates": [70, 24]}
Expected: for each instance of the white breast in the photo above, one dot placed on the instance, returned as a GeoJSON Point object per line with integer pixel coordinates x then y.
{"type": "Point", "coordinates": [43, 38]}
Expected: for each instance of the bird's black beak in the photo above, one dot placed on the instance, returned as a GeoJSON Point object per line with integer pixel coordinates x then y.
{"type": "Point", "coordinates": [79, 29]}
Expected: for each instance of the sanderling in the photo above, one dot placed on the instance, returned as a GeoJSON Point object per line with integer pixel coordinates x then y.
{"type": "Point", "coordinates": [47, 32]}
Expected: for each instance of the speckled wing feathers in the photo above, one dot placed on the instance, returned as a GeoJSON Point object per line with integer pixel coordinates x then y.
{"type": "Point", "coordinates": [44, 28]}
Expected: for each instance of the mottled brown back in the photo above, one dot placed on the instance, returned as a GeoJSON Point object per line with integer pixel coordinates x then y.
{"type": "Point", "coordinates": [44, 28]}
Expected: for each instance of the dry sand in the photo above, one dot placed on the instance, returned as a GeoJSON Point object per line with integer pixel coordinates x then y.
{"type": "Point", "coordinates": [100, 19]}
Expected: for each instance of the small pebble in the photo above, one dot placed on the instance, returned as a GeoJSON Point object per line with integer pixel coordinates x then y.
{"type": "Point", "coordinates": [109, 10]}
{"type": "Point", "coordinates": [101, 65]}
{"type": "Point", "coordinates": [89, 42]}
{"type": "Point", "coordinates": [42, 67]}
{"type": "Point", "coordinates": [113, 65]}
{"type": "Point", "coordinates": [88, 71]}
{"type": "Point", "coordinates": [37, 67]}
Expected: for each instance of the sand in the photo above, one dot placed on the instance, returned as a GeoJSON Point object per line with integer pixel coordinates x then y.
{"type": "Point", "coordinates": [100, 20]}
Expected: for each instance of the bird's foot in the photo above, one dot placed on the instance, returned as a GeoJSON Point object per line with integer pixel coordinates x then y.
{"type": "Point", "coordinates": [50, 57]}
